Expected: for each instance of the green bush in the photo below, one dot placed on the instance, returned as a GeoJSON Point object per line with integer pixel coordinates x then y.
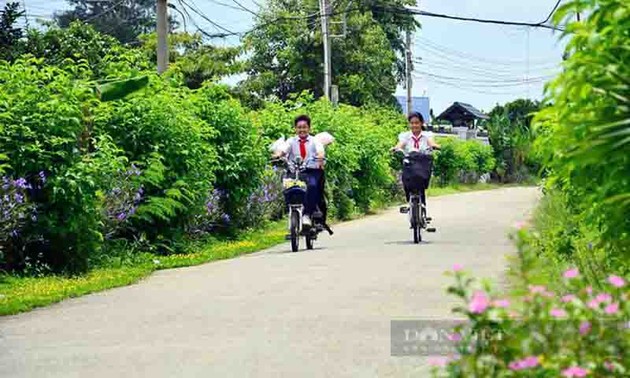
{"type": "Point", "coordinates": [462, 161]}
{"type": "Point", "coordinates": [42, 113]}
{"type": "Point", "coordinates": [583, 132]}
{"type": "Point", "coordinates": [159, 130]}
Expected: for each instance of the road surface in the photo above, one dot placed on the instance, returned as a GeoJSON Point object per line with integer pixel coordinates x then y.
{"type": "Point", "coordinates": [321, 313]}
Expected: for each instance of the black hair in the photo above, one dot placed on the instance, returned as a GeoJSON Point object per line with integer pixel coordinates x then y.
{"type": "Point", "coordinates": [302, 117]}
{"type": "Point", "coordinates": [415, 115]}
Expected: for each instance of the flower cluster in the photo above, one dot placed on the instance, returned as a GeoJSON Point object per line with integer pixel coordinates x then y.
{"type": "Point", "coordinates": [573, 331]}
{"type": "Point", "coordinates": [266, 202]}
{"type": "Point", "coordinates": [212, 217]}
{"type": "Point", "coordinates": [15, 208]}
{"type": "Point", "coordinates": [121, 202]}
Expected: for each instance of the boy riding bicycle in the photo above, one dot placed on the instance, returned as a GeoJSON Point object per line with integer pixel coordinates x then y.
{"type": "Point", "coordinates": [309, 150]}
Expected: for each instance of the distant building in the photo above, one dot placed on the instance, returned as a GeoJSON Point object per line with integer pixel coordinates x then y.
{"type": "Point", "coordinates": [464, 118]}
{"type": "Point", "coordinates": [462, 115]}
{"type": "Point", "coordinates": [418, 104]}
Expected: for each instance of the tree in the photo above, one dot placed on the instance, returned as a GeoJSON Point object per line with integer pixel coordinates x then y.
{"type": "Point", "coordinates": [125, 20]}
{"type": "Point", "coordinates": [10, 35]}
{"type": "Point", "coordinates": [518, 111]}
{"type": "Point", "coordinates": [287, 53]}
{"type": "Point", "coordinates": [195, 60]}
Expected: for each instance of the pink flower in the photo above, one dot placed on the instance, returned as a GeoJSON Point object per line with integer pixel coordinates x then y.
{"type": "Point", "coordinates": [574, 371]}
{"type": "Point", "coordinates": [585, 327]}
{"type": "Point", "coordinates": [612, 308]}
{"type": "Point", "coordinates": [568, 298]}
{"type": "Point", "coordinates": [455, 337]}
{"type": "Point", "coordinates": [571, 273]}
{"type": "Point", "coordinates": [603, 297]}
{"type": "Point", "coordinates": [616, 281]}
{"type": "Point", "coordinates": [589, 290]}
{"type": "Point", "coordinates": [609, 366]}
{"type": "Point", "coordinates": [536, 289]}
{"type": "Point", "coordinates": [593, 303]}
{"type": "Point", "coordinates": [438, 361]}
{"type": "Point", "coordinates": [526, 363]}
{"type": "Point", "coordinates": [502, 303]}
{"type": "Point", "coordinates": [531, 362]}
{"type": "Point", "coordinates": [458, 268]}
{"type": "Point", "coordinates": [558, 313]}
{"type": "Point", "coordinates": [520, 225]}
{"type": "Point", "coordinates": [479, 302]}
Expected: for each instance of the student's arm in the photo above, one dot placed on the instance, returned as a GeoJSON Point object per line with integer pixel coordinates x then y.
{"type": "Point", "coordinates": [320, 154]}
{"type": "Point", "coordinates": [433, 144]}
{"type": "Point", "coordinates": [401, 142]}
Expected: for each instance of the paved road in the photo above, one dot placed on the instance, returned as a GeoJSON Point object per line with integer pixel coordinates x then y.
{"type": "Point", "coordinates": [322, 313]}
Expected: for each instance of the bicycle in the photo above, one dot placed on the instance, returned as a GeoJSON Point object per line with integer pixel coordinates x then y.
{"type": "Point", "coordinates": [294, 189]}
{"type": "Point", "coordinates": [416, 174]}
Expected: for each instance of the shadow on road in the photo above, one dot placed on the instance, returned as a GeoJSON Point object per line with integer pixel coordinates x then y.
{"type": "Point", "coordinates": [407, 242]}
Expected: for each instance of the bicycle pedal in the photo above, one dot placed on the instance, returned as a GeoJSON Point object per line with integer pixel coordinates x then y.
{"type": "Point", "coordinates": [429, 219]}
{"type": "Point", "coordinates": [431, 229]}
{"type": "Point", "coordinates": [404, 210]}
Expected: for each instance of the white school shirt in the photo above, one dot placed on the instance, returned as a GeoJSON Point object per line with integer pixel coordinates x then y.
{"type": "Point", "coordinates": [408, 140]}
{"type": "Point", "coordinates": [313, 148]}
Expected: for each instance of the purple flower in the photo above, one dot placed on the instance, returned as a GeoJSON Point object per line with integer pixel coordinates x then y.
{"type": "Point", "coordinates": [19, 198]}
{"type": "Point", "coordinates": [20, 183]}
{"type": "Point", "coordinates": [225, 218]}
{"type": "Point", "coordinates": [585, 327]}
{"type": "Point", "coordinates": [42, 176]}
{"type": "Point", "coordinates": [121, 216]}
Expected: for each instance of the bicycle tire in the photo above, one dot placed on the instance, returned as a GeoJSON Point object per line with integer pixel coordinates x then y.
{"type": "Point", "coordinates": [295, 231]}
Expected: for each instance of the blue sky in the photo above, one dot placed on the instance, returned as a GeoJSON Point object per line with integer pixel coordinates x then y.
{"type": "Point", "coordinates": [460, 61]}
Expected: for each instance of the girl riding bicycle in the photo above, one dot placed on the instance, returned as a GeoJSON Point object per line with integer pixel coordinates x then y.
{"type": "Point", "coordinates": [415, 141]}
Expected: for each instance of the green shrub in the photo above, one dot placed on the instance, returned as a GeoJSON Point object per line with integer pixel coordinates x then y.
{"type": "Point", "coordinates": [583, 132]}
{"type": "Point", "coordinates": [159, 131]}
{"type": "Point", "coordinates": [462, 161]}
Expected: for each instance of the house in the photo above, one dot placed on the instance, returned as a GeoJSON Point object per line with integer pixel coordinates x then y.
{"type": "Point", "coordinates": [418, 104]}
{"type": "Point", "coordinates": [464, 118]}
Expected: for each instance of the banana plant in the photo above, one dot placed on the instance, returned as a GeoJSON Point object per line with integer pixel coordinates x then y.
{"type": "Point", "coordinates": [118, 89]}
{"type": "Point", "coordinates": [106, 92]}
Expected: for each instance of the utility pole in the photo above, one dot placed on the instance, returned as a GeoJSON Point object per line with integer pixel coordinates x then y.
{"type": "Point", "coordinates": [324, 11]}
{"type": "Point", "coordinates": [408, 71]}
{"type": "Point", "coordinates": [162, 36]}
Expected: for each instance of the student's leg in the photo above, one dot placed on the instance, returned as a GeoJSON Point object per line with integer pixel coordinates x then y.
{"type": "Point", "coordinates": [313, 190]}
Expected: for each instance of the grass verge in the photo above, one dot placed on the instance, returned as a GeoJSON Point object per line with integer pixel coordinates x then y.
{"type": "Point", "coordinates": [20, 294]}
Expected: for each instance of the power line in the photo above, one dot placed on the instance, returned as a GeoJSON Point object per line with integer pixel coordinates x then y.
{"type": "Point", "coordinates": [475, 89]}
{"type": "Point", "coordinates": [485, 75]}
{"type": "Point", "coordinates": [244, 8]}
{"type": "Point", "coordinates": [446, 51]}
{"type": "Point", "coordinates": [202, 15]}
{"type": "Point", "coordinates": [489, 83]}
{"type": "Point", "coordinates": [418, 12]}
{"type": "Point", "coordinates": [104, 12]}
{"type": "Point", "coordinates": [552, 12]}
